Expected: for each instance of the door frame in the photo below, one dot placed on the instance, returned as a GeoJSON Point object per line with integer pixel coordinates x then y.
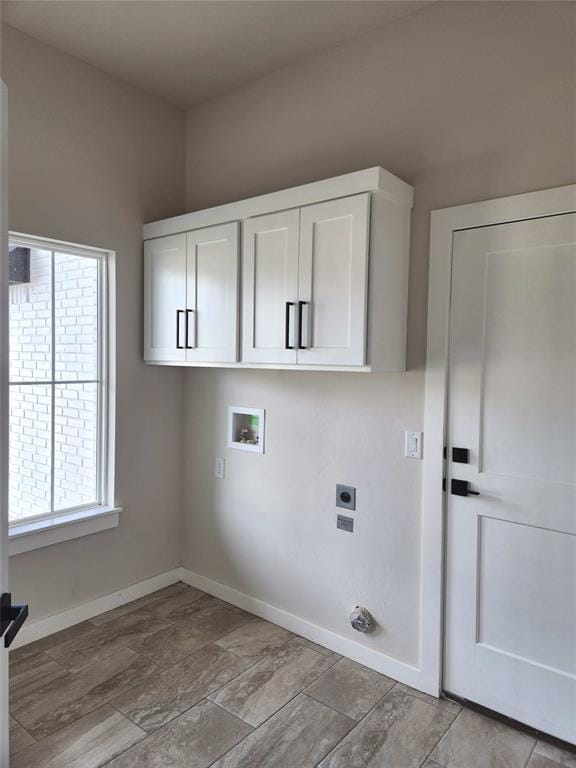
{"type": "Point", "coordinates": [4, 586]}
{"type": "Point", "coordinates": [444, 222]}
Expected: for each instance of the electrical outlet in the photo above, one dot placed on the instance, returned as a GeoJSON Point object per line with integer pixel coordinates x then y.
{"type": "Point", "coordinates": [219, 469]}
{"type": "Point", "coordinates": [413, 445]}
{"type": "Point", "coordinates": [346, 497]}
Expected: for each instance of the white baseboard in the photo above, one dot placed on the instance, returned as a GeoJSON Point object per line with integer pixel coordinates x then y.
{"type": "Point", "coordinates": [398, 670]}
{"type": "Point", "coordinates": [36, 630]}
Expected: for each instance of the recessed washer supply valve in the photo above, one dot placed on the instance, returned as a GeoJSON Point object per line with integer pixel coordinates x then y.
{"type": "Point", "coordinates": [361, 619]}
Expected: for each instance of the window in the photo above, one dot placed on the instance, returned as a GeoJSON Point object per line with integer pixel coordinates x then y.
{"type": "Point", "coordinates": [59, 379]}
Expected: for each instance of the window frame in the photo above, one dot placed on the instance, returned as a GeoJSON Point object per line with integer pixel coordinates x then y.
{"type": "Point", "coordinates": [78, 516]}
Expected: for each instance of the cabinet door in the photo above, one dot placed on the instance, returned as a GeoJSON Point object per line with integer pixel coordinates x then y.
{"type": "Point", "coordinates": [333, 272]}
{"type": "Point", "coordinates": [270, 288]}
{"type": "Point", "coordinates": [164, 299]}
{"type": "Point", "coordinates": [211, 333]}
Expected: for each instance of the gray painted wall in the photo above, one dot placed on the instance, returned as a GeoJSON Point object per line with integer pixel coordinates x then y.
{"type": "Point", "coordinates": [466, 101]}
{"type": "Point", "coordinates": [91, 159]}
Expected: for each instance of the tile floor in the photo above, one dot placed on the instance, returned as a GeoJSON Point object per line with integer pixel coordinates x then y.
{"type": "Point", "coordinates": [180, 679]}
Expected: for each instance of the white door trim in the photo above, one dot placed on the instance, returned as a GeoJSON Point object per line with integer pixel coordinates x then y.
{"type": "Point", "coordinates": [4, 586]}
{"type": "Point", "coordinates": [444, 223]}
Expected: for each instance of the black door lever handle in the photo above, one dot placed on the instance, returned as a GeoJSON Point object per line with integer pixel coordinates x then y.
{"type": "Point", "coordinates": [461, 488]}
{"type": "Point", "coordinates": [11, 618]}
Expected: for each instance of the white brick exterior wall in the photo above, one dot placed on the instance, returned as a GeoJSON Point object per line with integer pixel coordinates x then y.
{"type": "Point", "coordinates": [75, 404]}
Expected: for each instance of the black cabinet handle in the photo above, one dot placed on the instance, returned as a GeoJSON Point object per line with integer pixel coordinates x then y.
{"type": "Point", "coordinates": [192, 346]}
{"type": "Point", "coordinates": [178, 313]}
{"type": "Point", "coordinates": [11, 618]}
{"type": "Point", "coordinates": [287, 344]}
{"type": "Point", "coordinates": [462, 488]}
{"type": "Point", "coordinates": [300, 307]}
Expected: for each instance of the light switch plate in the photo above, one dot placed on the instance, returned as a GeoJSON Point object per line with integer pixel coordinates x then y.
{"type": "Point", "coordinates": [219, 468]}
{"type": "Point", "coordinates": [413, 445]}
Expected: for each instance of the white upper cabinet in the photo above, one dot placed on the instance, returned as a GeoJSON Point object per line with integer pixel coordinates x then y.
{"type": "Point", "coordinates": [191, 296]}
{"type": "Point", "coordinates": [270, 288]}
{"type": "Point", "coordinates": [324, 279]}
{"type": "Point", "coordinates": [211, 331]}
{"type": "Point", "coordinates": [304, 285]}
{"type": "Point", "coordinates": [332, 282]}
{"type": "Point", "coordinates": [164, 299]}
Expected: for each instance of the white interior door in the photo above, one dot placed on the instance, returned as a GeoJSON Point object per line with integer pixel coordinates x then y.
{"type": "Point", "coordinates": [511, 551]}
{"type": "Point", "coordinates": [270, 288]}
{"type": "Point", "coordinates": [165, 299]}
{"type": "Point", "coordinates": [3, 413]}
{"type": "Point", "coordinates": [211, 331]}
{"type": "Point", "coordinates": [332, 285]}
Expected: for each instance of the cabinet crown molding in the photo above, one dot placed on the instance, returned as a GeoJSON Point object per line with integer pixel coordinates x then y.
{"type": "Point", "coordinates": [374, 179]}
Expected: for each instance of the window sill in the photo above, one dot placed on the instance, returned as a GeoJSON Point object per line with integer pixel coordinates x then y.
{"type": "Point", "coordinates": [72, 525]}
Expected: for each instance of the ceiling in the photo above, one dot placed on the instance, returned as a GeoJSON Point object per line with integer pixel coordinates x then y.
{"type": "Point", "coordinates": [188, 51]}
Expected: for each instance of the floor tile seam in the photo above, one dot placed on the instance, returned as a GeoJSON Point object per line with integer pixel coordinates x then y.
{"type": "Point", "coordinates": [139, 652]}
{"type": "Point", "coordinates": [372, 708]}
{"type": "Point", "coordinates": [140, 682]}
{"type": "Point", "coordinates": [328, 706]}
{"type": "Point", "coordinates": [144, 734]}
{"type": "Point", "coordinates": [537, 754]}
{"type": "Point", "coordinates": [123, 751]}
{"type": "Point", "coordinates": [124, 714]}
{"type": "Point", "coordinates": [256, 727]}
{"type": "Point", "coordinates": [184, 711]}
{"type": "Point", "coordinates": [105, 701]}
{"type": "Point", "coordinates": [532, 753]}
{"type": "Point", "coordinates": [239, 626]}
{"type": "Point", "coordinates": [159, 671]}
{"type": "Point", "coordinates": [356, 722]}
{"type": "Point", "coordinates": [134, 646]}
{"type": "Point", "coordinates": [241, 656]}
{"type": "Point", "coordinates": [314, 680]}
{"type": "Point", "coordinates": [148, 736]}
{"type": "Point", "coordinates": [49, 655]}
{"type": "Point", "coordinates": [81, 670]}
{"type": "Point", "coordinates": [380, 700]}
{"type": "Point", "coordinates": [143, 607]}
{"type": "Point", "coordinates": [23, 727]}
{"type": "Point", "coordinates": [46, 652]}
{"type": "Point", "coordinates": [428, 757]}
{"type": "Point", "coordinates": [431, 703]}
{"type": "Point", "coordinates": [203, 648]}
{"type": "Point", "coordinates": [161, 668]}
{"type": "Point", "coordinates": [445, 734]}
{"type": "Point", "coordinates": [271, 656]}
{"type": "Point", "coordinates": [298, 693]}
{"type": "Point", "coordinates": [165, 667]}
{"type": "Point", "coordinates": [71, 722]}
